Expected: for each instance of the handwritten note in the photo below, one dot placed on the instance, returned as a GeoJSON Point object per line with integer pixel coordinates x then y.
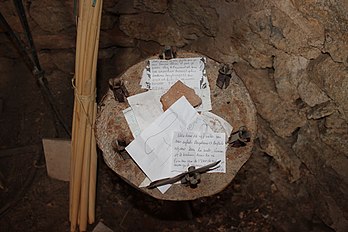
{"type": "Point", "coordinates": [160, 75]}
{"type": "Point", "coordinates": [198, 149]}
{"type": "Point", "coordinates": [191, 71]}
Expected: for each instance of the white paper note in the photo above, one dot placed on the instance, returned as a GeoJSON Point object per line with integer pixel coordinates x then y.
{"type": "Point", "coordinates": [204, 94]}
{"type": "Point", "coordinates": [145, 78]}
{"type": "Point", "coordinates": [191, 71]}
{"type": "Point", "coordinates": [151, 150]}
{"type": "Point", "coordinates": [217, 124]}
{"type": "Point", "coordinates": [198, 149]}
{"type": "Point", "coordinates": [164, 73]}
{"type": "Point", "coordinates": [132, 121]}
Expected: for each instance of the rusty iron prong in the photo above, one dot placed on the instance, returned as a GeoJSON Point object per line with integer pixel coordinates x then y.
{"type": "Point", "coordinates": [169, 52]}
{"type": "Point", "coordinates": [119, 89]}
{"type": "Point", "coordinates": [239, 138]}
{"type": "Point", "coordinates": [192, 179]}
{"type": "Point", "coordinates": [172, 180]}
{"type": "Point", "coordinates": [220, 81]}
{"type": "Point", "coordinates": [124, 90]}
{"type": "Point", "coordinates": [224, 76]}
{"type": "Point", "coordinates": [119, 146]}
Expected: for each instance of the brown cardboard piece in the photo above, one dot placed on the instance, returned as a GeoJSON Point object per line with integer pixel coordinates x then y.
{"type": "Point", "coordinates": [178, 90]}
{"type": "Point", "coordinates": [101, 227]}
{"type": "Point", "coordinates": [57, 155]}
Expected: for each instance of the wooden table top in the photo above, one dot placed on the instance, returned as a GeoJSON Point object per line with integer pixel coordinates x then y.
{"type": "Point", "coordinates": [232, 104]}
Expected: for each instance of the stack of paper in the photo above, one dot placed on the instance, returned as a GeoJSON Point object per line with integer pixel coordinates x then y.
{"type": "Point", "coordinates": [153, 149]}
{"type": "Point", "coordinates": [167, 143]}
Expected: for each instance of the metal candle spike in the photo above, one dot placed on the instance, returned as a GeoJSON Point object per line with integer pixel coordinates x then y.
{"type": "Point", "coordinates": [190, 178]}
{"type": "Point", "coordinates": [239, 138]}
{"type": "Point", "coordinates": [118, 88]}
{"type": "Point", "coordinates": [168, 53]}
{"type": "Point", "coordinates": [224, 76]}
{"type": "Point", "coordinates": [119, 146]}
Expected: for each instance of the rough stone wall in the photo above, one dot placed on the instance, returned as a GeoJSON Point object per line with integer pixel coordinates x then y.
{"type": "Point", "coordinates": [291, 55]}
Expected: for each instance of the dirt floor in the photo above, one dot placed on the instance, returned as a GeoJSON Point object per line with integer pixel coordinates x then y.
{"type": "Point", "coordinates": [31, 201]}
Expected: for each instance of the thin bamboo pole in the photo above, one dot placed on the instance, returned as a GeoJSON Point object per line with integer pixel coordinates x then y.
{"type": "Point", "coordinates": [82, 24]}
{"type": "Point", "coordinates": [75, 112]}
{"type": "Point", "coordinates": [93, 171]}
{"type": "Point", "coordinates": [82, 117]}
{"type": "Point", "coordinates": [76, 120]}
{"type": "Point", "coordinates": [85, 174]}
{"type": "Point", "coordinates": [85, 49]}
{"type": "Point", "coordinates": [92, 176]}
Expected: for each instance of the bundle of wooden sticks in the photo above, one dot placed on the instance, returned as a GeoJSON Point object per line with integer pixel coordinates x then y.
{"type": "Point", "coordinates": [84, 157]}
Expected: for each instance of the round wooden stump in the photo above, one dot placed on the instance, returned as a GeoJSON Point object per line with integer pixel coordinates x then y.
{"type": "Point", "coordinates": [233, 104]}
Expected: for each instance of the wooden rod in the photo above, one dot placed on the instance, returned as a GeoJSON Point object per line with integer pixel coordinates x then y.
{"type": "Point", "coordinates": [79, 155]}
{"type": "Point", "coordinates": [85, 171]}
{"type": "Point", "coordinates": [92, 175]}
{"type": "Point", "coordinates": [93, 171]}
